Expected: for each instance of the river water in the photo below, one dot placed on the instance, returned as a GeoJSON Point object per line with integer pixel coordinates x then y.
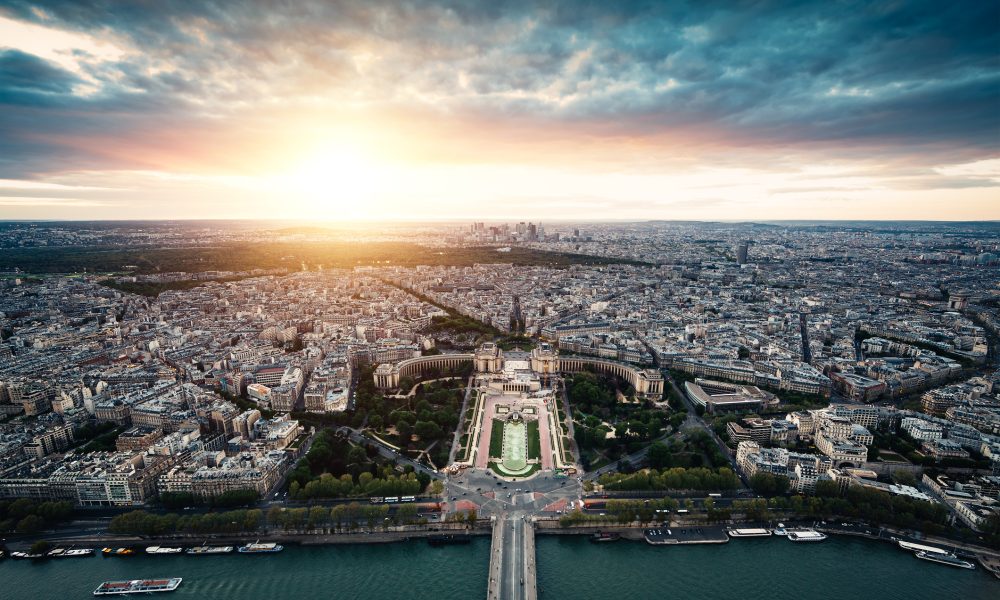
{"type": "Point", "coordinates": [568, 567]}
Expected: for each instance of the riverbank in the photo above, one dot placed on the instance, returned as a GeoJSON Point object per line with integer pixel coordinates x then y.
{"type": "Point", "coordinates": [285, 538]}
{"type": "Point", "coordinates": [568, 566]}
{"type": "Point", "coordinates": [483, 528]}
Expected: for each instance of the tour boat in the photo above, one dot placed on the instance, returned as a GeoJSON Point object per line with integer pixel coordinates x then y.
{"type": "Point", "coordinates": [945, 559]}
{"type": "Point", "coordinates": [806, 535]}
{"type": "Point", "coordinates": [71, 552]}
{"type": "Point", "coordinates": [203, 550]}
{"type": "Point", "coordinates": [912, 547]}
{"type": "Point", "coordinates": [258, 547]}
{"type": "Point", "coordinates": [780, 530]}
{"type": "Point", "coordinates": [748, 532]}
{"type": "Point", "coordinates": [163, 550]}
{"type": "Point", "coordinates": [137, 586]}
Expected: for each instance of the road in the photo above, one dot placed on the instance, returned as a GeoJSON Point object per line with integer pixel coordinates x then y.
{"type": "Point", "coordinates": [512, 559]}
{"type": "Point", "coordinates": [804, 332]}
{"type": "Point", "coordinates": [491, 496]}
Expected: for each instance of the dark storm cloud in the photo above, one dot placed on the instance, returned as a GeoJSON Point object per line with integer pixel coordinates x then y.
{"type": "Point", "coordinates": [24, 76]}
{"type": "Point", "coordinates": [883, 76]}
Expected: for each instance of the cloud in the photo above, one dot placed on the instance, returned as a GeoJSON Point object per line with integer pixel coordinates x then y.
{"type": "Point", "coordinates": [50, 201]}
{"type": "Point", "coordinates": [640, 86]}
{"type": "Point", "coordinates": [26, 75]}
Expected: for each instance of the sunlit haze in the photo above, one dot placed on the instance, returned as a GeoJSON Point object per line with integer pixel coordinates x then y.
{"type": "Point", "coordinates": [351, 111]}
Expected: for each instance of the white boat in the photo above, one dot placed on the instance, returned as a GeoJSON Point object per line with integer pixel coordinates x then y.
{"type": "Point", "coordinates": [780, 529]}
{"type": "Point", "coordinates": [71, 552]}
{"type": "Point", "coordinates": [945, 559]}
{"type": "Point", "coordinates": [921, 548]}
{"type": "Point", "coordinates": [137, 586]}
{"type": "Point", "coordinates": [806, 535]}
{"type": "Point", "coordinates": [258, 547]}
{"type": "Point", "coordinates": [163, 550]}
{"type": "Point", "coordinates": [748, 532]}
{"type": "Point", "coordinates": [203, 550]}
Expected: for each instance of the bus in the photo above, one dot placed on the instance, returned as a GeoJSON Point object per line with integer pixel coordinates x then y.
{"type": "Point", "coordinates": [391, 499]}
{"type": "Point", "coordinates": [715, 495]}
{"type": "Point", "coordinates": [376, 500]}
{"type": "Point", "coordinates": [682, 511]}
{"type": "Point", "coordinates": [408, 499]}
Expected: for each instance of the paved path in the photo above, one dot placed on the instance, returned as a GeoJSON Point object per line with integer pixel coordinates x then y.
{"type": "Point", "coordinates": [461, 422]}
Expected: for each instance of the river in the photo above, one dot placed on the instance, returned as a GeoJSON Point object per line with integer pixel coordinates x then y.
{"type": "Point", "coordinates": [568, 567]}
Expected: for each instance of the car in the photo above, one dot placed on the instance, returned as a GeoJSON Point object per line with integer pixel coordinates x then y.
{"type": "Point", "coordinates": [454, 498]}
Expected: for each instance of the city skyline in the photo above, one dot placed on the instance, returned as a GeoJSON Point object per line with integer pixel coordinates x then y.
{"type": "Point", "coordinates": [452, 111]}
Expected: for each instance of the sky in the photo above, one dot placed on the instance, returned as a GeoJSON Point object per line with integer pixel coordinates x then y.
{"type": "Point", "coordinates": [499, 110]}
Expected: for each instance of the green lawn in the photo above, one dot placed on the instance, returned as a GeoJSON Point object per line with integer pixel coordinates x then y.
{"type": "Point", "coordinates": [534, 441]}
{"type": "Point", "coordinates": [496, 439]}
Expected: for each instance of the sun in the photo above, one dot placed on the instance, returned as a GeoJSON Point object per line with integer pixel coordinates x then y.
{"type": "Point", "coordinates": [335, 183]}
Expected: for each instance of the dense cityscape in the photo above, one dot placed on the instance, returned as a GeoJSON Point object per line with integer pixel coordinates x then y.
{"type": "Point", "coordinates": [454, 299]}
{"type": "Point", "coordinates": [704, 376]}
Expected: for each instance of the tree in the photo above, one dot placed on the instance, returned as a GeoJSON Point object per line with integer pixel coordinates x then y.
{"type": "Point", "coordinates": [357, 455]}
{"type": "Point", "coordinates": [768, 484]}
{"type": "Point", "coordinates": [375, 422]}
{"type": "Point", "coordinates": [427, 430]}
{"type": "Point", "coordinates": [406, 384]}
{"type": "Point", "coordinates": [405, 432]}
{"type": "Point", "coordinates": [40, 547]}
{"type": "Point", "coordinates": [659, 455]}
{"type": "Point", "coordinates": [827, 489]}
{"type": "Point", "coordinates": [30, 524]}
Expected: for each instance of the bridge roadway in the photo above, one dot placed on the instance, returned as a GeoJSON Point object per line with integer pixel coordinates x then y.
{"type": "Point", "coordinates": [512, 559]}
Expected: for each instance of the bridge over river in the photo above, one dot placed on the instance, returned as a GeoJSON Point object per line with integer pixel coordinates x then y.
{"type": "Point", "coordinates": [512, 559]}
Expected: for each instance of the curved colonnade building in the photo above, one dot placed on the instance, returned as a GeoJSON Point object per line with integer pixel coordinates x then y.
{"type": "Point", "coordinates": [545, 363]}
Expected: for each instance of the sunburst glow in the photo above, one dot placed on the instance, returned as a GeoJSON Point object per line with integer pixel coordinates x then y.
{"type": "Point", "coordinates": [335, 182]}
